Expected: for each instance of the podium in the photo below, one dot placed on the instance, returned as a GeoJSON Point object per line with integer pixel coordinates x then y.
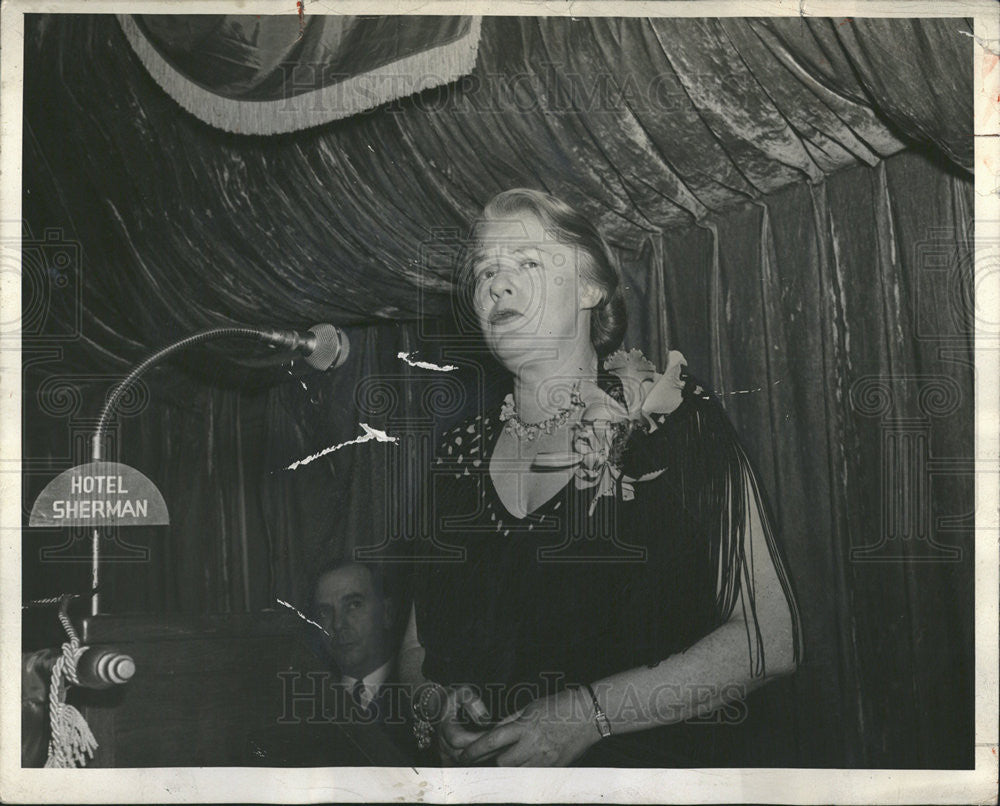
{"type": "Point", "coordinates": [213, 690]}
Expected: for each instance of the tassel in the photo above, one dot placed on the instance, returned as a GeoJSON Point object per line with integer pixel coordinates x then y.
{"type": "Point", "coordinates": [75, 744]}
{"type": "Point", "coordinates": [72, 742]}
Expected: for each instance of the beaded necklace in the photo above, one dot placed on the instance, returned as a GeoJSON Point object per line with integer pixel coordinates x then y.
{"type": "Point", "coordinates": [522, 430]}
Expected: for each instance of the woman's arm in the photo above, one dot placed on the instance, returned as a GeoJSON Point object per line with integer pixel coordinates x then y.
{"type": "Point", "coordinates": [720, 667]}
{"type": "Point", "coordinates": [717, 669]}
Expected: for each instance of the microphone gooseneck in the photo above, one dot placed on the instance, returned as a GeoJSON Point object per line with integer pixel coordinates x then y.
{"type": "Point", "coordinates": [323, 346]}
{"type": "Point", "coordinates": [320, 341]}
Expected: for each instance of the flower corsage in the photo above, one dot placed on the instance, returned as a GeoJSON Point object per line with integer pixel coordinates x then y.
{"type": "Point", "coordinates": [599, 438]}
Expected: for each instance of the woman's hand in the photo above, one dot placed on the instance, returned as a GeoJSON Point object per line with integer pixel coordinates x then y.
{"type": "Point", "coordinates": [454, 735]}
{"type": "Point", "coordinates": [549, 732]}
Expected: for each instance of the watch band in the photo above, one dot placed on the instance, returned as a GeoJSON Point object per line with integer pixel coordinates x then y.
{"type": "Point", "coordinates": [423, 720]}
{"type": "Point", "coordinates": [600, 718]}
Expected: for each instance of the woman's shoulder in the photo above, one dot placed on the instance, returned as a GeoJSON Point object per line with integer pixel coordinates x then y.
{"type": "Point", "coordinates": [673, 417]}
{"type": "Point", "coordinates": [651, 397]}
{"type": "Point", "coordinates": [466, 439]}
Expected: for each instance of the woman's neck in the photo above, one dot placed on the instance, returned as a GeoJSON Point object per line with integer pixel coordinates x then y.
{"type": "Point", "coordinates": [542, 389]}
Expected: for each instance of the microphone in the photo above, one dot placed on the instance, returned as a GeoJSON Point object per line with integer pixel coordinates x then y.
{"type": "Point", "coordinates": [323, 346]}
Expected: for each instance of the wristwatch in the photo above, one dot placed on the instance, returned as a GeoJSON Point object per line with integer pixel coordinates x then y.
{"type": "Point", "coordinates": [600, 718]}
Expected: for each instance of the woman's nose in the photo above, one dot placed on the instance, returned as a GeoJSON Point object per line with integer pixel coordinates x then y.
{"type": "Point", "coordinates": [501, 284]}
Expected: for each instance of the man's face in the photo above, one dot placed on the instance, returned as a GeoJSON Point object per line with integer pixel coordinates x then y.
{"type": "Point", "coordinates": [357, 618]}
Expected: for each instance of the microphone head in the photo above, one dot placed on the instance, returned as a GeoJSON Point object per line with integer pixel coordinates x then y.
{"type": "Point", "coordinates": [331, 350]}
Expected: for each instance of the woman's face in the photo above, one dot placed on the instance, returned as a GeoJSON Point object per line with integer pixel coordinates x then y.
{"type": "Point", "coordinates": [527, 291]}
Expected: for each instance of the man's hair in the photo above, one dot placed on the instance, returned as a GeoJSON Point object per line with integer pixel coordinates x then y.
{"type": "Point", "coordinates": [374, 572]}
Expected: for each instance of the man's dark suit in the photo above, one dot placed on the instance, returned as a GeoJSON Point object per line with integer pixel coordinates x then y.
{"type": "Point", "coordinates": [328, 728]}
{"type": "Point", "coordinates": [390, 712]}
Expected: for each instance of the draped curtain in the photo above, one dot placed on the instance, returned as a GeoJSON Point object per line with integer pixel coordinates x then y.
{"type": "Point", "coordinates": [769, 223]}
{"type": "Point", "coordinates": [842, 340]}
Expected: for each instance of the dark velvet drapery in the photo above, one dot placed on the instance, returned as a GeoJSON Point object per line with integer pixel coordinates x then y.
{"type": "Point", "coordinates": [768, 225]}
{"type": "Point", "coordinates": [645, 124]}
{"type": "Point", "coordinates": [842, 344]}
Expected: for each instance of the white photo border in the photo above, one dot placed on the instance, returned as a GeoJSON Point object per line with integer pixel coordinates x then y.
{"type": "Point", "coordinates": [485, 785]}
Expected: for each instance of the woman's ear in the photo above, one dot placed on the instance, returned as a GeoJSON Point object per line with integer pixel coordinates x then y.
{"type": "Point", "coordinates": [590, 295]}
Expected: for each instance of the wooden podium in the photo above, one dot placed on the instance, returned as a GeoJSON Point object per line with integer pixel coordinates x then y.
{"type": "Point", "coordinates": [211, 690]}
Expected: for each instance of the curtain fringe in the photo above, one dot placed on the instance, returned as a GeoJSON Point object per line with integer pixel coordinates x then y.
{"type": "Point", "coordinates": [431, 68]}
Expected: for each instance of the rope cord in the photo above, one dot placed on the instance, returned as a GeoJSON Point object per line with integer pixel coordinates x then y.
{"type": "Point", "coordinates": [72, 743]}
{"type": "Point", "coordinates": [50, 600]}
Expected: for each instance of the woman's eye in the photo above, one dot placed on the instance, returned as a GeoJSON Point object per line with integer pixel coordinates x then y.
{"type": "Point", "coordinates": [530, 264]}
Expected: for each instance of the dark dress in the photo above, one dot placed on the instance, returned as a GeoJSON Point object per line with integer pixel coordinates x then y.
{"type": "Point", "coordinates": [577, 591]}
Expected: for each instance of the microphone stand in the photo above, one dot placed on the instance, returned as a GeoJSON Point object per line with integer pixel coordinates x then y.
{"type": "Point", "coordinates": [97, 444]}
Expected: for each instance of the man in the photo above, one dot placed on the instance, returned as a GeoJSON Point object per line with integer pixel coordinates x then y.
{"type": "Point", "coordinates": [365, 718]}
{"type": "Point", "coordinates": [352, 607]}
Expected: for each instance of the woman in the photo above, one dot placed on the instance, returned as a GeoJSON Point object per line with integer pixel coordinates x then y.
{"type": "Point", "coordinates": [618, 574]}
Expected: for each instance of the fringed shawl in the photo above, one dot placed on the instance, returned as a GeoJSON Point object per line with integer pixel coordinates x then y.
{"type": "Point", "coordinates": [581, 589]}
